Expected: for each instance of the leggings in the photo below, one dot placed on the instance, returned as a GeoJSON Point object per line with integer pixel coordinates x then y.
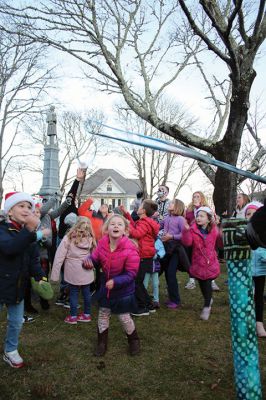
{"type": "Point", "coordinates": [125, 319]}
{"type": "Point", "coordinates": [155, 284]}
{"type": "Point", "coordinates": [259, 282]}
{"type": "Point", "coordinates": [206, 290]}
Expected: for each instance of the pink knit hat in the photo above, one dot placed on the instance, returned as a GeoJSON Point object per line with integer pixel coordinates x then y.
{"type": "Point", "coordinates": [13, 198]}
{"type": "Point", "coordinates": [254, 205]}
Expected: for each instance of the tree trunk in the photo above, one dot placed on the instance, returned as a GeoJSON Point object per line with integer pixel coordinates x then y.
{"type": "Point", "coordinates": [227, 150]}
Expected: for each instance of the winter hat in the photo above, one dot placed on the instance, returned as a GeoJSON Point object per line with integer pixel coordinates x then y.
{"type": "Point", "coordinates": [205, 209]}
{"type": "Point", "coordinates": [254, 205]}
{"type": "Point", "coordinates": [44, 290]}
{"type": "Point", "coordinates": [256, 228]}
{"type": "Point", "coordinates": [13, 198]}
{"type": "Point", "coordinates": [71, 219]}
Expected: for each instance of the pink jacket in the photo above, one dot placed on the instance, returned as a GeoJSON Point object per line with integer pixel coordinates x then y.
{"type": "Point", "coordinates": [72, 256]}
{"type": "Point", "coordinates": [121, 265]}
{"type": "Point", "coordinates": [204, 264]}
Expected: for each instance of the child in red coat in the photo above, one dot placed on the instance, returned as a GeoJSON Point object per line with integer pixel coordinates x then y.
{"type": "Point", "coordinates": [204, 237]}
{"type": "Point", "coordinates": [145, 230]}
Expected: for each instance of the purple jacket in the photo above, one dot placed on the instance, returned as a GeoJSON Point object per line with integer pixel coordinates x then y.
{"type": "Point", "coordinates": [121, 265]}
{"type": "Point", "coordinates": [173, 225]}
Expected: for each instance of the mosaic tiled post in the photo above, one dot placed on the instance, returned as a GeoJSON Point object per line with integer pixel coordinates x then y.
{"type": "Point", "coordinates": [243, 321]}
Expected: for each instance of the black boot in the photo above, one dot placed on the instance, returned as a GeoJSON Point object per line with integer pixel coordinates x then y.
{"type": "Point", "coordinates": [44, 304]}
{"type": "Point", "coordinates": [134, 343]}
{"type": "Point", "coordinates": [101, 343]}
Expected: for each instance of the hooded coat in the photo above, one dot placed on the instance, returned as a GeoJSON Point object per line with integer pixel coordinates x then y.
{"type": "Point", "coordinates": [72, 256]}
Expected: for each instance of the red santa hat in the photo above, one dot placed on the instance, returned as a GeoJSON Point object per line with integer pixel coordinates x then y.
{"type": "Point", "coordinates": [13, 198]}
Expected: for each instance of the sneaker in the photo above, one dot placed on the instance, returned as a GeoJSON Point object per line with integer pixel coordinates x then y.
{"type": "Point", "coordinates": [141, 312]}
{"type": "Point", "coordinates": [13, 359]}
{"type": "Point", "coordinates": [151, 308]}
{"type": "Point", "coordinates": [172, 305]}
{"type": "Point", "coordinates": [215, 287]}
{"type": "Point", "coordinates": [261, 333]}
{"type": "Point", "coordinates": [60, 301]}
{"type": "Point", "coordinates": [71, 320]}
{"type": "Point", "coordinates": [67, 304]}
{"type": "Point", "coordinates": [191, 284]}
{"type": "Point", "coordinates": [156, 305]}
{"type": "Point", "coordinates": [205, 313]}
{"type": "Point", "coordinates": [27, 319]}
{"type": "Point", "coordinates": [84, 318]}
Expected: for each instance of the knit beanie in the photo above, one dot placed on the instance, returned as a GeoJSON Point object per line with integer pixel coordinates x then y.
{"type": "Point", "coordinates": [258, 222]}
{"type": "Point", "coordinates": [13, 198]}
{"type": "Point", "coordinates": [205, 209]}
{"type": "Point", "coordinates": [71, 219]}
{"type": "Point", "coordinates": [254, 205]}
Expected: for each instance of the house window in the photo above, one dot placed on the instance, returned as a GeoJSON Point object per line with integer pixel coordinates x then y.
{"type": "Point", "coordinates": [119, 202]}
{"type": "Point", "coordinates": [113, 203]}
{"type": "Point", "coordinates": [102, 202]}
{"type": "Point", "coordinates": [109, 185]}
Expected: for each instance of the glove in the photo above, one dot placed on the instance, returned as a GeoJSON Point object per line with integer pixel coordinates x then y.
{"type": "Point", "coordinates": [44, 289]}
{"type": "Point", "coordinates": [87, 264]}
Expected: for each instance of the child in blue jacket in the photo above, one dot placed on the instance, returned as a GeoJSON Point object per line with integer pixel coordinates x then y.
{"type": "Point", "coordinates": [19, 258]}
{"type": "Point", "coordinates": [154, 275]}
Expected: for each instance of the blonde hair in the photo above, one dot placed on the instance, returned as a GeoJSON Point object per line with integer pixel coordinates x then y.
{"type": "Point", "coordinates": [107, 222]}
{"type": "Point", "coordinates": [81, 229]}
{"type": "Point", "coordinates": [179, 208]}
{"type": "Point", "coordinates": [203, 201]}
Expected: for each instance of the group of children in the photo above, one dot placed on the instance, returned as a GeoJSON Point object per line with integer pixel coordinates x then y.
{"type": "Point", "coordinates": [125, 253]}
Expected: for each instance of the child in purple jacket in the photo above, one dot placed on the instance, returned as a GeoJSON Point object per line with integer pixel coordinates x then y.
{"type": "Point", "coordinates": [176, 255]}
{"type": "Point", "coordinates": [119, 260]}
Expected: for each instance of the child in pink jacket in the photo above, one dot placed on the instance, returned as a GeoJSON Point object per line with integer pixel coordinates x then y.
{"type": "Point", "coordinates": [75, 246]}
{"type": "Point", "coordinates": [118, 257]}
{"type": "Point", "coordinates": [204, 237]}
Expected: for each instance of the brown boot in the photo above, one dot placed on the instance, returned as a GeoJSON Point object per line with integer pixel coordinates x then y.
{"type": "Point", "coordinates": [101, 343]}
{"type": "Point", "coordinates": [134, 343]}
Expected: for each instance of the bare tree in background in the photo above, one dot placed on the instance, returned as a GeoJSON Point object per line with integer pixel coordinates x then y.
{"type": "Point", "coordinates": [254, 152]}
{"type": "Point", "coordinates": [23, 81]}
{"type": "Point", "coordinates": [155, 167]}
{"type": "Point", "coordinates": [140, 48]}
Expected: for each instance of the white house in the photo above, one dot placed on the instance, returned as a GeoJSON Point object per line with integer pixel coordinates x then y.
{"type": "Point", "coordinates": [108, 186]}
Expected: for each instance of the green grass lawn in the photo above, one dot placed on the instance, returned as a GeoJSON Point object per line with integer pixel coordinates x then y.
{"type": "Point", "coordinates": [182, 357]}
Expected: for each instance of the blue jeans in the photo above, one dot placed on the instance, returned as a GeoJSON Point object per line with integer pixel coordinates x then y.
{"type": "Point", "coordinates": [73, 299]}
{"type": "Point", "coordinates": [14, 325]}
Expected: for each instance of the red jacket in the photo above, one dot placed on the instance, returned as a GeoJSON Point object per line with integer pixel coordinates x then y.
{"type": "Point", "coordinates": [97, 224]}
{"type": "Point", "coordinates": [145, 230]}
{"type": "Point", "coordinates": [204, 264]}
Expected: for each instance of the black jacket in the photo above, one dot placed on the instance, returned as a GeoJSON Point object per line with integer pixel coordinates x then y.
{"type": "Point", "coordinates": [19, 259]}
{"type": "Point", "coordinates": [70, 209]}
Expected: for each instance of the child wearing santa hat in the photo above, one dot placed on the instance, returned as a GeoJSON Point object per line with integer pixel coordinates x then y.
{"type": "Point", "coordinates": [19, 257]}
{"type": "Point", "coordinates": [258, 273]}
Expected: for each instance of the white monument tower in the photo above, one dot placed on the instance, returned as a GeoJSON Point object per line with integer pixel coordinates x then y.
{"type": "Point", "coordinates": [50, 182]}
